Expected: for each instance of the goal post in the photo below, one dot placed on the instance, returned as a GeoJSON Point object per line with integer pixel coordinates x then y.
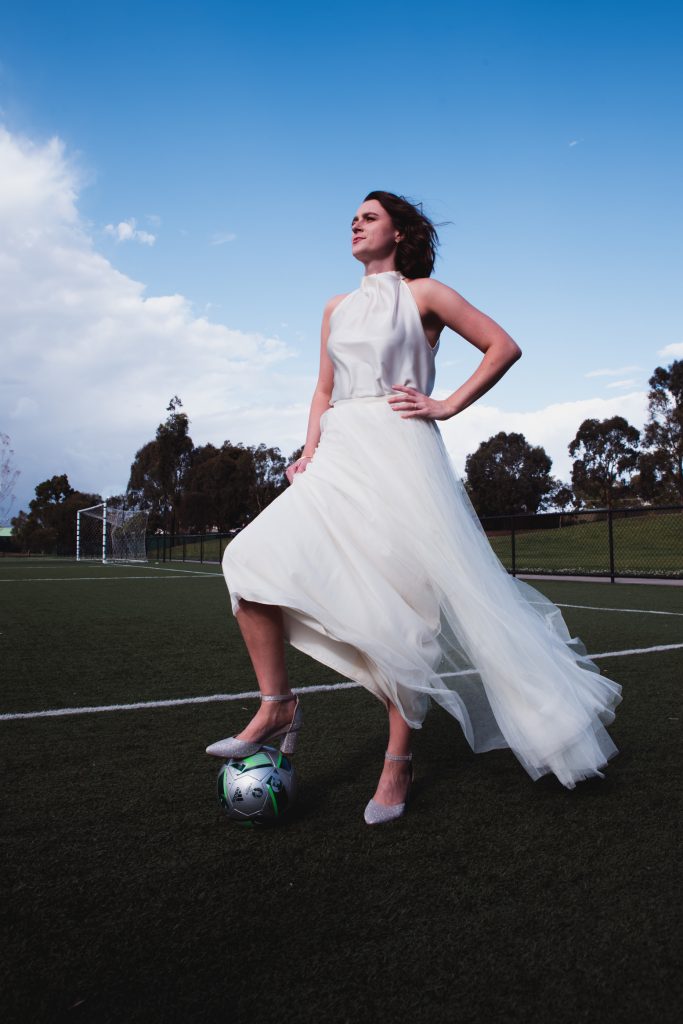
{"type": "Point", "coordinates": [108, 534]}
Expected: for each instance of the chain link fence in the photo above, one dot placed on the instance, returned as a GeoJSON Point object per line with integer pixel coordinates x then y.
{"type": "Point", "coordinates": [614, 543]}
{"type": "Point", "coordinates": [186, 547]}
{"type": "Point", "coordinates": [618, 543]}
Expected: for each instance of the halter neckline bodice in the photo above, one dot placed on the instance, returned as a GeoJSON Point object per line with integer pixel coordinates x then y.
{"type": "Point", "coordinates": [377, 340]}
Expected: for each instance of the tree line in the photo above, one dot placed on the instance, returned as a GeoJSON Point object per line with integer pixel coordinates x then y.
{"type": "Point", "coordinates": [614, 463]}
{"type": "Point", "coordinates": [198, 489]}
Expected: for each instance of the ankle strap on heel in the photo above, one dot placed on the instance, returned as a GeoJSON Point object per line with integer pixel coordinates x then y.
{"type": "Point", "coordinates": [398, 757]}
{"type": "Point", "coordinates": [278, 696]}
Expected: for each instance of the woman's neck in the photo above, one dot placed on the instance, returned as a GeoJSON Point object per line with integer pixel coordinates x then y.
{"type": "Point", "coordinates": [380, 266]}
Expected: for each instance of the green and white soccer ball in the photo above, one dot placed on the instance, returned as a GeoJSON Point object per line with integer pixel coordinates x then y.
{"type": "Point", "coordinates": [259, 789]}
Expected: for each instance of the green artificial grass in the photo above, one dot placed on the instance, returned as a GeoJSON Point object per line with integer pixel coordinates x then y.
{"type": "Point", "coordinates": [130, 897]}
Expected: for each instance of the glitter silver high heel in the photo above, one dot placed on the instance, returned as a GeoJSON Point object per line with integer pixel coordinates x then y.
{"type": "Point", "coordinates": [376, 813]}
{"type": "Point", "coordinates": [232, 747]}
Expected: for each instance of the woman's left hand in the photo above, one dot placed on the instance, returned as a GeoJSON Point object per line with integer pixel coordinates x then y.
{"type": "Point", "coordinates": [300, 466]}
{"type": "Point", "coordinates": [414, 403]}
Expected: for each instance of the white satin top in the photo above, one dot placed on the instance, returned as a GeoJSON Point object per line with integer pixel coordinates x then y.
{"type": "Point", "coordinates": [377, 340]}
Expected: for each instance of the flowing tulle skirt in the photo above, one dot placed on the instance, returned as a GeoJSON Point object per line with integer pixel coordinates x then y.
{"type": "Point", "coordinates": [383, 572]}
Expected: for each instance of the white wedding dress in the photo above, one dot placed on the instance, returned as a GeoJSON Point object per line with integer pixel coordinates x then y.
{"type": "Point", "coordinates": [383, 571]}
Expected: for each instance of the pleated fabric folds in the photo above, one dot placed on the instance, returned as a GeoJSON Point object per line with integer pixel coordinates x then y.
{"type": "Point", "coordinates": [383, 572]}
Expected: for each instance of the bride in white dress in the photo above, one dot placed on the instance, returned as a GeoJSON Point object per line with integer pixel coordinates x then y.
{"type": "Point", "coordinates": [374, 562]}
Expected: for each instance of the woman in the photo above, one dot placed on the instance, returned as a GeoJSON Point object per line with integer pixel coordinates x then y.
{"type": "Point", "coordinates": [374, 562]}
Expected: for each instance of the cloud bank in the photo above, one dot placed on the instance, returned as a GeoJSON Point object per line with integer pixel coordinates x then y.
{"type": "Point", "coordinates": [90, 361]}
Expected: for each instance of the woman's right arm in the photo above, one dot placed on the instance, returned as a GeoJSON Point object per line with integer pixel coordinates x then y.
{"type": "Point", "coordinates": [320, 402]}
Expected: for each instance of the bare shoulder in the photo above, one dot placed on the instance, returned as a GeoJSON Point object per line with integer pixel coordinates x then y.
{"type": "Point", "coordinates": [329, 309]}
{"type": "Point", "coordinates": [436, 299]}
{"type": "Point", "coordinates": [431, 290]}
{"type": "Point", "coordinates": [332, 303]}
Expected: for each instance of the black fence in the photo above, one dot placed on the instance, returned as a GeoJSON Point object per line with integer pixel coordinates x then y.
{"type": "Point", "coordinates": [617, 543]}
{"type": "Point", "coordinates": [187, 547]}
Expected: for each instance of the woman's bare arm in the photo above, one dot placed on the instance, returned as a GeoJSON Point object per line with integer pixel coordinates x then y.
{"type": "Point", "coordinates": [441, 306]}
{"type": "Point", "coordinates": [320, 402]}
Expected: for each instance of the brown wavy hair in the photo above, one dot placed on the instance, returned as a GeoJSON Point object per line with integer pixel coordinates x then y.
{"type": "Point", "coordinates": [416, 252]}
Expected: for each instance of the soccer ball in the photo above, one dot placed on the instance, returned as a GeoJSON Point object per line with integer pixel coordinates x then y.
{"type": "Point", "coordinates": [257, 790]}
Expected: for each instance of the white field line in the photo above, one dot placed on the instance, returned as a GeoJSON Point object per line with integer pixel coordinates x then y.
{"type": "Point", "coordinates": [599, 608]}
{"type": "Point", "coordinates": [141, 705]}
{"type": "Point", "coordinates": [219, 697]}
{"type": "Point", "coordinates": [192, 572]}
{"type": "Point", "coordinates": [55, 563]}
{"type": "Point", "coordinates": [108, 579]}
{"type": "Point", "coordinates": [636, 650]}
{"type": "Point", "coordinates": [154, 568]}
{"type": "Point", "coordinates": [76, 565]}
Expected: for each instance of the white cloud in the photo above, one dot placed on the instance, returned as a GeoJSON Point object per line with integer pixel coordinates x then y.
{"type": "Point", "coordinates": [125, 231]}
{"type": "Point", "coordinates": [621, 384]}
{"type": "Point", "coordinates": [92, 360]}
{"type": "Point", "coordinates": [220, 238]}
{"type": "Point", "coordinates": [553, 427]}
{"type": "Point", "coordinates": [612, 373]}
{"type": "Point", "coordinates": [675, 350]}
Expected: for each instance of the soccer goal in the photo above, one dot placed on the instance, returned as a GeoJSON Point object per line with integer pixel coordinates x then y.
{"type": "Point", "coordinates": [111, 534]}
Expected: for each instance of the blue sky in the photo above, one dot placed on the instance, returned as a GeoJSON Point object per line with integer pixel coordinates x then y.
{"type": "Point", "coordinates": [206, 161]}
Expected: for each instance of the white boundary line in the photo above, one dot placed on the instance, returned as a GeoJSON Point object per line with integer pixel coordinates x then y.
{"type": "Point", "coordinates": [599, 608]}
{"type": "Point", "coordinates": [191, 572]}
{"type": "Point", "coordinates": [141, 705]}
{"type": "Point", "coordinates": [636, 650]}
{"type": "Point", "coordinates": [109, 579]}
{"type": "Point", "coordinates": [118, 565]}
{"type": "Point", "coordinates": [116, 579]}
{"type": "Point", "coordinates": [219, 697]}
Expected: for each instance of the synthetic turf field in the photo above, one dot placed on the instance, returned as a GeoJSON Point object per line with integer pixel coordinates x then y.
{"type": "Point", "coordinates": [130, 898]}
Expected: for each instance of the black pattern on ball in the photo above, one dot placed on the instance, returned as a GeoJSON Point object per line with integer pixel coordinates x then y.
{"type": "Point", "coordinates": [259, 789]}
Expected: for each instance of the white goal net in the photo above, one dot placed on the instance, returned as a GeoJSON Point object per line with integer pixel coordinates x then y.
{"type": "Point", "coordinates": [111, 534]}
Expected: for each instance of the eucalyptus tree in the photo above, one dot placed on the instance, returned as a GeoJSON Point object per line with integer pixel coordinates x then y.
{"type": "Point", "coordinates": [661, 467]}
{"type": "Point", "coordinates": [605, 453]}
{"type": "Point", "coordinates": [507, 475]}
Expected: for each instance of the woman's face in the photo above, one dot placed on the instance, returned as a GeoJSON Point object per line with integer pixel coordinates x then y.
{"type": "Point", "coordinates": [373, 233]}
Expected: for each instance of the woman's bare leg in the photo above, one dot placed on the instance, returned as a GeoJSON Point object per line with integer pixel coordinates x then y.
{"type": "Point", "coordinates": [262, 631]}
{"type": "Point", "coordinates": [392, 787]}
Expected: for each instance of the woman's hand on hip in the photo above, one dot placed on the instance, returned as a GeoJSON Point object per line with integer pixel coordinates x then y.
{"type": "Point", "coordinates": [413, 403]}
